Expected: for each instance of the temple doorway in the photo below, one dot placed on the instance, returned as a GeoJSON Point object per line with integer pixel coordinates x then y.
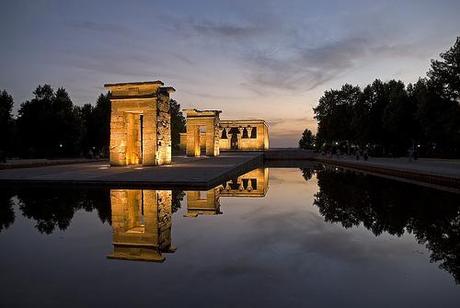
{"type": "Point", "coordinates": [234, 138]}
{"type": "Point", "coordinates": [134, 144]}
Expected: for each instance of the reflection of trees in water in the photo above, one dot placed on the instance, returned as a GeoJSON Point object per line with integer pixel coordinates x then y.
{"type": "Point", "coordinates": [6, 210]}
{"type": "Point", "coordinates": [177, 197]}
{"type": "Point", "coordinates": [53, 209]}
{"type": "Point", "coordinates": [382, 205]}
{"type": "Point", "coordinates": [50, 208]}
{"type": "Point", "coordinates": [307, 173]}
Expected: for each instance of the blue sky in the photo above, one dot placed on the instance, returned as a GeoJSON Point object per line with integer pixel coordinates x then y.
{"type": "Point", "coordinates": [252, 59]}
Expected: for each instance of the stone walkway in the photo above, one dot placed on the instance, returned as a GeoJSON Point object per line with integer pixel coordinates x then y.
{"type": "Point", "coordinates": [443, 172]}
{"type": "Point", "coordinates": [29, 163]}
{"type": "Point", "coordinates": [201, 172]}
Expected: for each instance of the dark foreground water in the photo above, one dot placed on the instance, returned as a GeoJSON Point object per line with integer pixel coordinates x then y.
{"type": "Point", "coordinates": [273, 237]}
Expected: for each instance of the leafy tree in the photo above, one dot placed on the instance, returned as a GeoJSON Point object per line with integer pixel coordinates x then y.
{"type": "Point", "coordinates": [34, 124]}
{"type": "Point", "coordinates": [307, 141]}
{"type": "Point", "coordinates": [376, 97]}
{"type": "Point", "coordinates": [100, 125]}
{"type": "Point", "coordinates": [177, 124]}
{"type": "Point", "coordinates": [87, 129]}
{"type": "Point", "coordinates": [334, 112]}
{"type": "Point", "coordinates": [66, 123]}
{"type": "Point", "coordinates": [48, 125]}
{"type": "Point", "coordinates": [6, 124]}
{"type": "Point", "coordinates": [445, 73]}
{"type": "Point", "coordinates": [398, 118]}
{"type": "Point", "coordinates": [389, 118]}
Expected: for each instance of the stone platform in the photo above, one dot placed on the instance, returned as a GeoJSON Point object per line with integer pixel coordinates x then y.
{"type": "Point", "coordinates": [185, 172]}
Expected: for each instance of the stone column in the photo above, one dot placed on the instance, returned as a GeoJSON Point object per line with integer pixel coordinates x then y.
{"type": "Point", "coordinates": [149, 138]}
{"type": "Point", "coordinates": [193, 140]}
{"type": "Point", "coordinates": [118, 138]}
{"type": "Point", "coordinates": [163, 130]}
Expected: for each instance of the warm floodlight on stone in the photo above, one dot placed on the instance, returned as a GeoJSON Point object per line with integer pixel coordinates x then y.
{"type": "Point", "coordinates": [140, 124]}
{"type": "Point", "coordinates": [237, 135]}
{"type": "Point", "coordinates": [202, 119]}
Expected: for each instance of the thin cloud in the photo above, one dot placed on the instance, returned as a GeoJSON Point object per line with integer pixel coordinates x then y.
{"type": "Point", "coordinates": [101, 27]}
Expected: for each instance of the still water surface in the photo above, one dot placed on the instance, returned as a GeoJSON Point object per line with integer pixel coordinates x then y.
{"type": "Point", "coordinates": [277, 237]}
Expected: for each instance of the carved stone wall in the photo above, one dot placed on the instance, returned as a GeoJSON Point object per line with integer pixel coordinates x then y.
{"type": "Point", "coordinates": [209, 120]}
{"type": "Point", "coordinates": [140, 126]}
{"type": "Point", "coordinates": [252, 135]}
{"type": "Point", "coordinates": [256, 137]}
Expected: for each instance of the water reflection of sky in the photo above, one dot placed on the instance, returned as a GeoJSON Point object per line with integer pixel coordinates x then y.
{"type": "Point", "coordinates": [271, 251]}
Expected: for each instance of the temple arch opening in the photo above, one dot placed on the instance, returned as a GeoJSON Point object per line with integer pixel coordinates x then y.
{"type": "Point", "coordinates": [202, 123]}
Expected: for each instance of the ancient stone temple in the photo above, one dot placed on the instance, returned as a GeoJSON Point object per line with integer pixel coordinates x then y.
{"type": "Point", "coordinates": [243, 135]}
{"type": "Point", "coordinates": [141, 223]}
{"type": "Point", "coordinates": [237, 135]}
{"type": "Point", "coordinates": [202, 128]}
{"type": "Point", "coordinates": [140, 125]}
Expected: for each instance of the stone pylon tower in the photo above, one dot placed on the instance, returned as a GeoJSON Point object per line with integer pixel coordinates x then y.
{"type": "Point", "coordinates": [140, 125]}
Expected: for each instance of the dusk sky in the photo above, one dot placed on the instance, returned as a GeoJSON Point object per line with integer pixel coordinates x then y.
{"type": "Point", "coordinates": [251, 59]}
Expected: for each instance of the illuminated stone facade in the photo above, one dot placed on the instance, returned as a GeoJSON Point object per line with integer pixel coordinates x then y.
{"type": "Point", "coordinates": [198, 120]}
{"type": "Point", "coordinates": [141, 223]}
{"type": "Point", "coordinates": [237, 135]}
{"type": "Point", "coordinates": [140, 124]}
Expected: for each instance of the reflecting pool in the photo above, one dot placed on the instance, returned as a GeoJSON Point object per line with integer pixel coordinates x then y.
{"type": "Point", "coordinates": [316, 236]}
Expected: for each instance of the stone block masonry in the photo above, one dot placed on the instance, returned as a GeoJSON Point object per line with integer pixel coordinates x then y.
{"type": "Point", "coordinates": [140, 125]}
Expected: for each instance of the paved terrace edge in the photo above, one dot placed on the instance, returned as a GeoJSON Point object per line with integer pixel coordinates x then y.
{"type": "Point", "coordinates": [246, 165]}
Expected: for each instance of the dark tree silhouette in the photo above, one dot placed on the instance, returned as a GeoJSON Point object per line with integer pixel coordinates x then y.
{"type": "Point", "coordinates": [445, 73]}
{"type": "Point", "coordinates": [6, 124]}
{"type": "Point", "coordinates": [390, 118]}
{"type": "Point", "coordinates": [54, 208]}
{"type": "Point", "coordinates": [177, 124]}
{"type": "Point", "coordinates": [6, 209]}
{"type": "Point", "coordinates": [100, 126]}
{"type": "Point", "coordinates": [48, 125]}
{"type": "Point", "coordinates": [177, 197]}
{"type": "Point", "coordinates": [307, 141]}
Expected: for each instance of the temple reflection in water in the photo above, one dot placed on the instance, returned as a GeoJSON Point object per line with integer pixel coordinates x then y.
{"type": "Point", "coordinates": [142, 219]}
{"type": "Point", "coordinates": [251, 184]}
{"type": "Point", "coordinates": [141, 223]}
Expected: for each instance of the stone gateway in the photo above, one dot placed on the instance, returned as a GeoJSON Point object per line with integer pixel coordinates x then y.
{"type": "Point", "coordinates": [140, 124]}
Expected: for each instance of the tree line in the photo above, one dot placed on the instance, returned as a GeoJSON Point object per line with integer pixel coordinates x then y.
{"type": "Point", "coordinates": [390, 118]}
{"type": "Point", "coordinates": [50, 125]}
